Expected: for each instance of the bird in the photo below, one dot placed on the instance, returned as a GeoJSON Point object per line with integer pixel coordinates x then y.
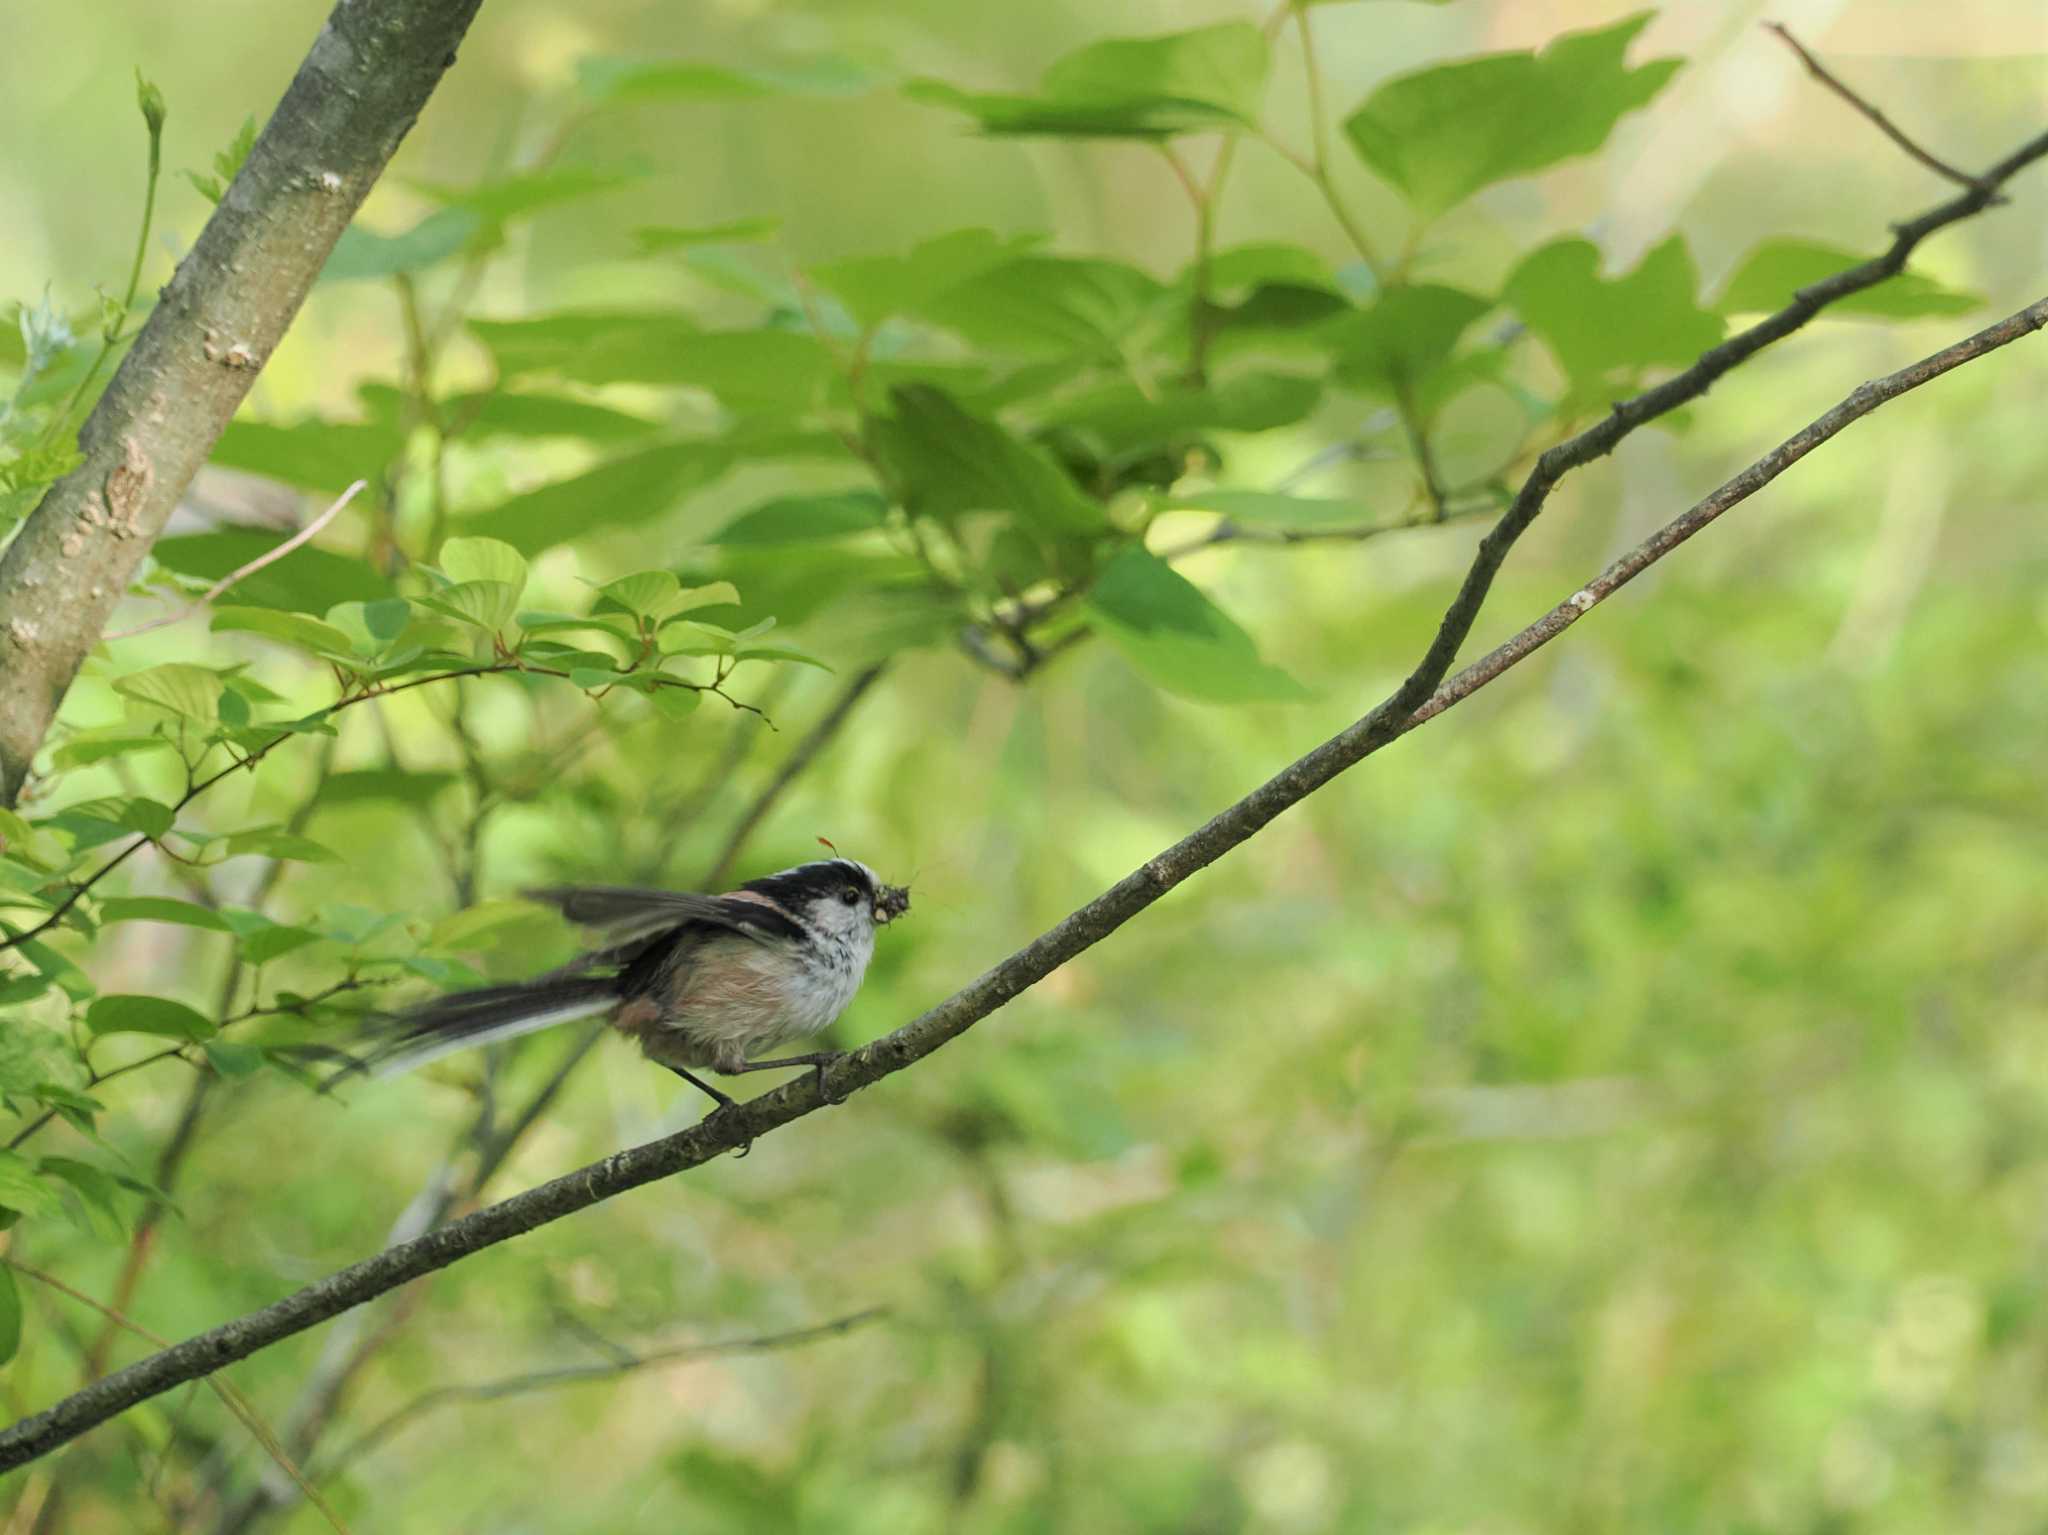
{"type": "Point", "coordinates": [699, 981]}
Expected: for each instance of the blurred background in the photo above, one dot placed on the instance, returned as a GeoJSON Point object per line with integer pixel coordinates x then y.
{"type": "Point", "coordinates": [1621, 1105]}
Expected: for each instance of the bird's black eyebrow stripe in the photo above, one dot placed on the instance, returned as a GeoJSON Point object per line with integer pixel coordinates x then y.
{"type": "Point", "coordinates": [794, 887]}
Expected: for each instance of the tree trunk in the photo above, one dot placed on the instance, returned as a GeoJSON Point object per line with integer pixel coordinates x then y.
{"type": "Point", "coordinates": [369, 72]}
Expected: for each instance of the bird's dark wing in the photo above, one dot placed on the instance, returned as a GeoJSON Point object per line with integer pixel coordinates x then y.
{"type": "Point", "coordinates": [625, 912]}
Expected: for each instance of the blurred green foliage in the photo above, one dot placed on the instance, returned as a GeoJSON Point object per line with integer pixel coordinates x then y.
{"type": "Point", "coordinates": [1618, 1106]}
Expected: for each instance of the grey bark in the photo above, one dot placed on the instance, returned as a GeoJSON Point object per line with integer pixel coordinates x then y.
{"type": "Point", "coordinates": [361, 86]}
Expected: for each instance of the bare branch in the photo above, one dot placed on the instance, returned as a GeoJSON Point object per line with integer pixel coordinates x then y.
{"type": "Point", "coordinates": [575, 1375]}
{"type": "Point", "coordinates": [364, 81]}
{"type": "Point", "coordinates": [1884, 124]}
{"type": "Point", "coordinates": [269, 557]}
{"type": "Point", "coordinates": [730, 1128]}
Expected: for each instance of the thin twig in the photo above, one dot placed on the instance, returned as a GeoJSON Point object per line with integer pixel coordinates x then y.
{"type": "Point", "coordinates": [800, 758]}
{"type": "Point", "coordinates": [742, 1123]}
{"type": "Point", "coordinates": [1885, 125]}
{"type": "Point", "coordinates": [576, 1375]}
{"type": "Point", "coordinates": [268, 557]}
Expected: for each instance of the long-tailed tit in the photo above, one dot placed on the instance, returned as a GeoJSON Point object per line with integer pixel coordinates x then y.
{"type": "Point", "coordinates": [703, 981]}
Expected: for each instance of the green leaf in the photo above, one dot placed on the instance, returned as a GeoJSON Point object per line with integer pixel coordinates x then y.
{"type": "Point", "coordinates": [803, 519]}
{"type": "Point", "coordinates": [1175, 636]}
{"type": "Point", "coordinates": [475, 417]}
{"type": "Point", "coordinates": [159, 1016]}
{"type": "Point", "coordinates": [296, 629]}
{"type": "Point", "coordinates": [949, 462]}
{"type": "Point", "coordinates": [1120, 419]}
{"type": "Point", "coordinates": [483, 559]}
{"type": "Point", "coordinates": [1442, 134]}
{"type": "Point", "coordinates": [22, 1190]}
{"type": "Point", "coordinates": [627, 81]}
{"type": "Point", "coordinates": [513, 197]}
{"type": "Point", "coordinates": [656, 595]}
{"type": "Point", "coordinates": [876, 287]}
{"type": "Point", "coordinates": [1129, 87]}
{"type": "Point", "coordinates": [1596, 326]}
{"type": "Point", "coordinates": [361, 785]}
{"type": "Point", "coordinates": [10, 1315]}
{"type": "Point", "coordinates": [273, 940]}
{"type": "Point", "coordinates": [87, 747]}
{"type": "Point", "coordinates": [95, 1188]}
{"type": "Point", "coordinates": [363, 254]}
{"type": "Point", "coordinates": [307, 580]}
{"type": "Point", "coordinates": [675, 703]}
{"type": "Point", "coordinates": [597, 346]}
{"type": "Point", "coordinates": [626, 491]}
{"type": "Point", "coordinates": [486, 605]}
{"type": "Point", "coordinates": [1777, 269]}
{"type": "Point", "coordinates": [654, 239]}
{"type": "Point", "coordinates": [1048, 306]}
{"type": "Point", "coordinates": [179, 688]}
{"type": "Point", "coordinates": [233, 1059]}
{"type": "Point", "coordinates": [272, 843]}
{"type": "Point", "coordinates": [1404, 339]}
{"type": "Point", "coordinates": [227, 164]}
{"type": "Point", "coordinates": [158, 908]}
{"type": "Point", "coordinates": [312, 453]}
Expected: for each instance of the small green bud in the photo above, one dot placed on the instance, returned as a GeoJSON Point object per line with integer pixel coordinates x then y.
{"type": "Point", "coordinates": [151, 100]}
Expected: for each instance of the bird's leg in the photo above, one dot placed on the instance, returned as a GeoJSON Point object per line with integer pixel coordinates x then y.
{"type": "Point", "coordinates": [713, 1093]}
{"type": "Point", "coordinates": [817, 1060]}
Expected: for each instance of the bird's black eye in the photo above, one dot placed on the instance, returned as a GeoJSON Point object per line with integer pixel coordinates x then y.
{"type": "Point", "coordinates": [850, 895]}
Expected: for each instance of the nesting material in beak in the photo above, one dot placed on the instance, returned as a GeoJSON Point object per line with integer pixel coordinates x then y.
{"type": "Point", "coordinates": [891, 903]}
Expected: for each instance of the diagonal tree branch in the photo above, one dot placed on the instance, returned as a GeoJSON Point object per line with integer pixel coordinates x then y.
{"type": "Point", "coordinates": [362, 84]}
{"type": "Point", "coordinates": [731, 1128]}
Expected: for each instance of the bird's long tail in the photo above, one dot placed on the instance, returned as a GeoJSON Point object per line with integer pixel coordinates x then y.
{"type": "Point", "coordinates": [481, 1017]}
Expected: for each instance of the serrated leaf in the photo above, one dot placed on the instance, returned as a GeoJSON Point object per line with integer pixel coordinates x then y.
{"type": "Point", "coordinates": [627, 491]}
{"type": "Point", "coordinates": [483, 559]}
{"type": "Point", "coordinates": [178, 688]}
{"type": "Point", "coordinates": [1777, 269]}
{"type": "Point", "coordinates": [1177, 637]}
{"type": "Point", "coordinates": [158, 908]}
{"type": "Point", "coordinates": [1404, 339]}
{"type": "Point", "coordinates": [159, 1016]}
{"type": "Point", "coordinates": [1441, 134]}
{"type": "Point", "coordinates": [804, 519]}
{"type": "Point", "coordinates": [300, 630]}
{"type": "Point", "coordinates": [1129, 87]}
{"type": "Point", "coordinates": [362, 254]}
{"type": "Point", "coordinates": [1597, 326]}
{"type": "Point", "coordinates": [949, 461]}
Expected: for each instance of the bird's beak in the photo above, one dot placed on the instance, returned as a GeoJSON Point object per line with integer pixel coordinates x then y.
{"type": "Point", "coordinates": [891, 903]}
